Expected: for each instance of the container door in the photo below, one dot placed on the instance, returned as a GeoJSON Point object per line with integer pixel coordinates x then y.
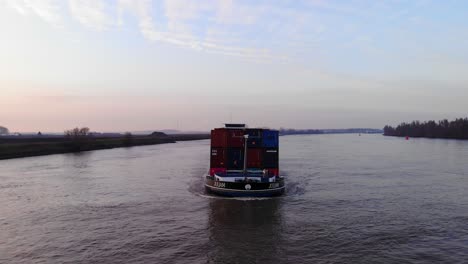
{"type": "Point", "coordinates": [255, 138]}
{"type": "Point", "coordinates": [235, 138]}
{"type": "Point", "coordinates": [218, 158]}
{"type": "Point", "coordinates": [254, 158]}
{"type": "Point", "coordinates": [235, 159]}
{"type": "Point", "coordinates": [270, 158]}
{"type": "Point", "coordinates": [270, 139]}
{"type": "Point", "coordinates": [219, 138]}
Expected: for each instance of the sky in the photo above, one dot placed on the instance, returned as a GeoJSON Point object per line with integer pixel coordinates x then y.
{"type": "Point", "coordinates": [132, 65]}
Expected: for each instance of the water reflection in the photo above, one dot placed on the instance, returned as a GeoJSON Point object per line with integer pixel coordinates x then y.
{"type": "Point", "coordinates": [78, 161]}
{"type": "Point", "coordinates": [245, 231]}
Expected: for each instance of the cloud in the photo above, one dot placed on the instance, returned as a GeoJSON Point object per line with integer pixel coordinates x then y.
{"type": "Point", "coordinates": [48, 10]}
{"type": "Point", "coordinates": [226, 27]}
{"type": "Point", "coordinates": [19, 6]}
{"type": "Point", "coordinates": [91, 13]}
{"type": "Point", "coordinates": [177, 30]}
{"type": "Point", "coordinates": [258, 30]}
{"type": "Point", "coordinates": [235, 13]}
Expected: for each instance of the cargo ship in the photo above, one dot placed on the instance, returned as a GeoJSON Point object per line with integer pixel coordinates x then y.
{"type": "Point", "coordinates": [244, 162]}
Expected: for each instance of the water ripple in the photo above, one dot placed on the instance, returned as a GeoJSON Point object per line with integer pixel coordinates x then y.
{"type": "Point", "coordinates": [348, 199]}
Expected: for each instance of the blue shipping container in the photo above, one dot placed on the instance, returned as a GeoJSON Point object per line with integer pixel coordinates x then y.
{"type": "Point", "coordinates": [255, 138]}
{"type": "Point", "coordinates": [270, 139]}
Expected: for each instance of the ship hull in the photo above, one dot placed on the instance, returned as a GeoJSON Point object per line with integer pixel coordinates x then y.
{"type": "Point", "coordinates": [245, 189]}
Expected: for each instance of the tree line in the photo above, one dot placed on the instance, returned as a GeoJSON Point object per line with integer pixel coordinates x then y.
{"type": "Point", "coordinates": [290, 131]}
{"type": "Point", "coordinates": [456, 129]}
{"type": "Point", "coordinates": [78, 139]}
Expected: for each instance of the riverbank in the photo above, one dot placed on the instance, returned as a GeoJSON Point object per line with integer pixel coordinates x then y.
{"type": "Point", "coordinates": [443, 129]}
{"type": "Point", "coordinates": [429, 137]}
{"type": "Point", "coordinates": [21, 147]}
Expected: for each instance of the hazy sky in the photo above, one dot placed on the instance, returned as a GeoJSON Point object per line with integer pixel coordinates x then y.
{"type": "Point", "coordinates": [194, 64]}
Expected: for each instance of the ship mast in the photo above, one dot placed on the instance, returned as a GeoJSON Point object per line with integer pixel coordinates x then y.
{"type": "Point", "coordinates": [245, 156]}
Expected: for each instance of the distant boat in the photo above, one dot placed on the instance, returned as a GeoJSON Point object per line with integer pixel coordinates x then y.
{"type": "Point", "coordinates": [244, 162]}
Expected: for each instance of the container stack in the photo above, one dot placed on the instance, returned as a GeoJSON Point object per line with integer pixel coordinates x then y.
{"type": "Point", "coordinates": [228, 147]}
{"type": "Point", "coordinates": [270, 145]}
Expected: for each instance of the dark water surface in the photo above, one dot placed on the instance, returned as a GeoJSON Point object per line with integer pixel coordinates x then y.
{"type": "Point", "coordinates": [350, 199]}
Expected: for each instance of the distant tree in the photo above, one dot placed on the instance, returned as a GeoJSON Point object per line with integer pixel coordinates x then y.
{"type": "Point", "coordinates": [158, 134]}
{"type": "Point", "coordinates": [389, 131]}
{"type": "Point", "coordinates": [457, 129]}
{"type": "Point", "coordinates": [77, 138]}
{"type": "Point", "coordinates": [77, 132]}
{"type": "Point", "coordinates": [290, 131]}
{"type": "Point", "coordinates": [4, 131]}
{"type": "Point", "coordinates": [39, 133]}
{"type": "Point", "coordinates": [128, 139]}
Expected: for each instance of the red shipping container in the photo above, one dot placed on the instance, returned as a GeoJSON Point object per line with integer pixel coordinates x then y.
{"type": "Point", "coordinates": [235, 138]}
{"type": "Point", "coordinates": [214, 171]}
{"type": "Point", "coordinates": [254, 158]}
{"type": "Point", "coordinates": [219, 138]}
{"type": "Point", "coordinates": [218, 158]}
{"type": "Point", "coordinates": [273, 172]}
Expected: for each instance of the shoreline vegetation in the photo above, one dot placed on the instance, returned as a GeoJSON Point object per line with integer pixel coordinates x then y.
{"type": "Point", "coordinates": [79, 139]}
{"type": "Point", "coordinates": [456, 129]}
{"type": "Point", "coordinates": [291, 131]}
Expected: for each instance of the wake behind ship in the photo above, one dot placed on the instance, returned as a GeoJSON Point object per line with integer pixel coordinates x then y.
{"type": "Point", "coordinates": [244, 162]}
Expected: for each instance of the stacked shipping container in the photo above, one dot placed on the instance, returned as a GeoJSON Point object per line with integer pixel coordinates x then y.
{"type": "Point", "coordinates": [227, 150]}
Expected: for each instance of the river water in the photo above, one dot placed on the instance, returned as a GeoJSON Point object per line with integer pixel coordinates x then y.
{"type": "Point", "coordinates": [349, 199]}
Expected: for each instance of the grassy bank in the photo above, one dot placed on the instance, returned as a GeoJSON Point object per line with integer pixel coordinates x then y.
{"type": "Point", "coordinates": [27, 147]}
